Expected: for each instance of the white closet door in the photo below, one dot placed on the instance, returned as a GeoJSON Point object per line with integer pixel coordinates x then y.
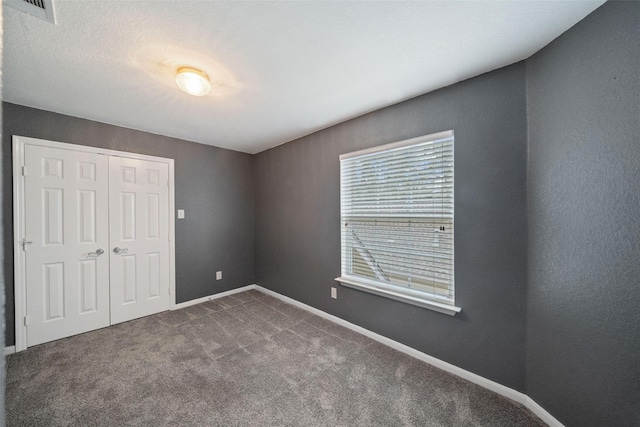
{"type": "Point", "coordinates": [66, 227]}
{"type": "Point", "coordinates": [139, 236]}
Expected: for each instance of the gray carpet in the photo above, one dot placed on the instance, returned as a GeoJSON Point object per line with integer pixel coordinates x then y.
{"type": "Point", "coordinates": [243, 360]}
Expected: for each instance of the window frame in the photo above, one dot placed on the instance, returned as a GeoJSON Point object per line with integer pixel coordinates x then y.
{"type": "Point", "coordinates": [391, 291]}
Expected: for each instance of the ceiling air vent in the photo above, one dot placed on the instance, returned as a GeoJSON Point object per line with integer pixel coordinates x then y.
{"type": "Point", "coordinates": [42, 9]}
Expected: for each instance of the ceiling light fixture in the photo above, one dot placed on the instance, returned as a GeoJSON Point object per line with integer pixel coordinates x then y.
{"type": "Point", "coordinates": [192, 81]}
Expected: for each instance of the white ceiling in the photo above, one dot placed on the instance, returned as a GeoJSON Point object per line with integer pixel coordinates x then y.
{"type": "Point", "coordinates": [284, 69]}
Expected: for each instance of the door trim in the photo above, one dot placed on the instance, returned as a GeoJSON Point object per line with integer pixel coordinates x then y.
{"type": "Point", "coordinates": [19, 286]}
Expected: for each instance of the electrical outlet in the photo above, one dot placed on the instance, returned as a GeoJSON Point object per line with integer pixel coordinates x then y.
{"type": "Point", "coordinates": [334, 293]}
{"type": "Point", "coordinates": [180, 213]}
{"type": "Point", "coordinates": [218, 275]}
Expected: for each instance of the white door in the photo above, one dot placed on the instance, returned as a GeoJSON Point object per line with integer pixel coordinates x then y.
{"type": "Point", "coordinates": [66, 242]}
{"type": "Point", "coordinates": [139, 237]}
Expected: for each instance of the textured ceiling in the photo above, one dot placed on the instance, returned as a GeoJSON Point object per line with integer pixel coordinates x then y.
{"type": "Point", "coordinates": [281, 70]}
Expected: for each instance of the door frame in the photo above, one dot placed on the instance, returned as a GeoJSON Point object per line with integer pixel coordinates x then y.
{"type": "Point", "coordinates": [19, 259]}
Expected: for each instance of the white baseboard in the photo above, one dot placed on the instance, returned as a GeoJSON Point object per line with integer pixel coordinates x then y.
{"type": "Point", "coordinates": [212, 297]}
{"type": "Point", "coordinates": [500, 389]}
{"type": "Point", "coordinates": [9, 350]}
{"type": "Point", "coordinates": [542, 413]}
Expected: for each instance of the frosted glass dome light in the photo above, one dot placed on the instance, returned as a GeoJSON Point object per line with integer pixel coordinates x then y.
{"type": "Point", "coordinates": [192, 81]}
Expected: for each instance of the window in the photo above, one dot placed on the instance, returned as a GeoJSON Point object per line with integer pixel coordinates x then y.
{"type": "Point", "coordinates": [397, 221]}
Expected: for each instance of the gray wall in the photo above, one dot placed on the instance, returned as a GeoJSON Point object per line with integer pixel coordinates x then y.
{"type": "Point", "coordinates": [213, 185]}
{"type": "Point", "coordinates": [583, 349]}
{"type": "Point", "coordinates": [298, 230]}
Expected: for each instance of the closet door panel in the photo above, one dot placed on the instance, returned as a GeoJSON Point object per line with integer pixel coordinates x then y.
{"type": "Point", "coordinates": [66, 227]}
{"type": "Point", "coordinates": [139, 229]}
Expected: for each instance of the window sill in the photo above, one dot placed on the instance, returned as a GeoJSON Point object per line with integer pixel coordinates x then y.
{"type": "Point", "coordinates": [398, 296]}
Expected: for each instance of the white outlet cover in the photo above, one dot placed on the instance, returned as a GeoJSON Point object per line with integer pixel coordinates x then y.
{"type": "Point", "coordinates": [218, 275]}
{"type": "Point", "coordinates": [334, 293]}
{"type": "Point", "coordinates": [180, 213]}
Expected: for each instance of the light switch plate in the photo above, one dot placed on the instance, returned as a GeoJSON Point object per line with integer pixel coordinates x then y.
{"type": "Point", "coordinates": [218, 275]}
{"type": "Point", "coordinates": [180, 213]}
{"type": "Point", "coordinates": [334, 293]}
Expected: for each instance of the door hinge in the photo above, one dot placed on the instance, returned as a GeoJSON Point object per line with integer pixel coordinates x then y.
{"type": "Point", "coordinates": [26, 320]}
{"type": "Point", "coordinates": [24, 171]}
{"type": "Point", "coordinates": [169, 291]}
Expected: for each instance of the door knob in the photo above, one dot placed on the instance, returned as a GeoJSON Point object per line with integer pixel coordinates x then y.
{"type": "Point", "coordinates": [120, 250]}
{"type": "Point", "coordinates": [25, 242]}
{"type": "Point", "coordinates": [98, 252]}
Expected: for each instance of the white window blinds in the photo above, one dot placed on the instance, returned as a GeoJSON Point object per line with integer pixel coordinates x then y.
{"type": "Point", "coordinates": [397, 218]}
